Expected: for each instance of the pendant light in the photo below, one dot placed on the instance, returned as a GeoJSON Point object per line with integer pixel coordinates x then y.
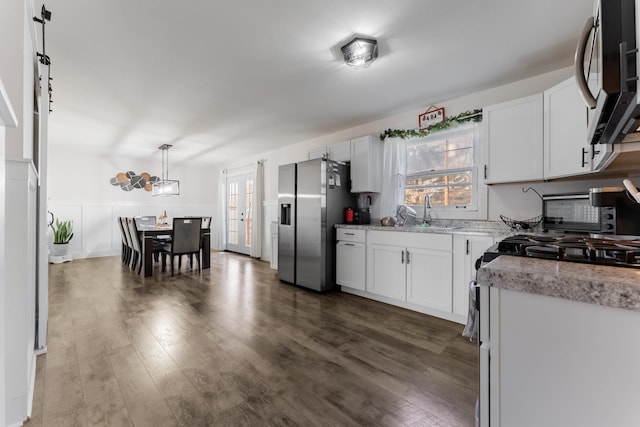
{"type": "Point", "coordinates": [166, 186]}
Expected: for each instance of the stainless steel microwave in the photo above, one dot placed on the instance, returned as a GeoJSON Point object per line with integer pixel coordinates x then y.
{"type": "Point", "coordinates": [606, 70]}
{"type": "Point", "coordinates": [573, 213]}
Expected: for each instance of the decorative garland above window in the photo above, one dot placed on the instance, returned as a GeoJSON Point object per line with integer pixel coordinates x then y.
{"type": "Point", "coordinates": [467, 116]}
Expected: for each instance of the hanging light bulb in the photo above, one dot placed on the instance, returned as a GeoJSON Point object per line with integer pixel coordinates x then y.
{"type": "Point", "coordinates": [166, 186]}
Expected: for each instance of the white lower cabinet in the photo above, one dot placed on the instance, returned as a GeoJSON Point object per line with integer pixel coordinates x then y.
{"type": "Point", "coordinates": [351, 258]}
{"type": "Point", "coordinates": [414, 269]}
{"type": "Point", "coordinates": [350, 264]}
{"type": "Point", "coordinates": [429, 278]}
{"type": "Point", "coordinates": [387, 271]}
{"type": "Point", "coordinates": [467, 248]}
{"type": "Point", "coordinates": [426, 272]}
{"type": "Point", "coordinates": [557, 362]}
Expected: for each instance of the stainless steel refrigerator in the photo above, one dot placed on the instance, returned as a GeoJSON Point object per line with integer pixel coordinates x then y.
{"type": "Point", "coordinates": [312, 197]}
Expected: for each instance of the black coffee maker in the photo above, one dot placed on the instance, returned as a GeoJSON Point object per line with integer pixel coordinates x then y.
{"type": "Point", "coordinates": [363, 212]}
{"type": "Point", "coordinates": [623, 216]}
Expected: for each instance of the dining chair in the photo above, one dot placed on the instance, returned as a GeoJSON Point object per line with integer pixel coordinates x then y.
{"type": "Point", "coordinates": [125, 245]}
{"type": "Point", "coordinates": [206, 222]}
{"type": "Point", "coordinates": [137, 246]}
{"type": "Point", "coordinates": [206, 225]}
{"type": "Point", "coordinates": [185, 240]}
{"type": "Point", "coordinates": [127, 235]}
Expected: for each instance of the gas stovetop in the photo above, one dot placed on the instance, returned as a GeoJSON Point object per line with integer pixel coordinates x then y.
{"type": "Point", "coordinates": [623, 251]}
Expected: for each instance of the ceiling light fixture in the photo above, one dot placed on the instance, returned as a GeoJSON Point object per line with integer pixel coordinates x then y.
{"type": "Point", "coordinates": [166, 186]}
{"type": "Point", "coordinates": [360, 52]}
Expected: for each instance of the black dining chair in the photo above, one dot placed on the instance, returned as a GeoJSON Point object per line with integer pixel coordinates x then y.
{"type": "Point", "coordinates": [126, 249]}
{"type": "Point", "coordinates": [137, 246]}
{"type": "Point", "coordinates": [206, 222]}
{"type": "Point", "coordinates": [185, 240]}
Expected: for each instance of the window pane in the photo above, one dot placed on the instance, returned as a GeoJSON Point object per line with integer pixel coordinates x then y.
{"type": "Point", "coordinates": [249, 211]}
{"type": "Point", "coordinates": [232, 213]}
{"type": "Point", "coordinates": [445, 196]}
{"type": "Point", "coordinates": [445, 190]}
{"type": "Point", "coordinates": [453, 153]}
{"type": "Point", "coordinates": [459, 178]}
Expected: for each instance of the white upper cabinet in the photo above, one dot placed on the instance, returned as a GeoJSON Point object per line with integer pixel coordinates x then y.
{"type": "Point", "coordinates": [366, 165]}
{"type": "Point", "coordinates": [340, 151]}
{"type": "Point", "coordinates": [317, 153]}
{"type": "Point", "coordinates": [566, 151]}
{"type": "Point", "coordinates": [512, 135]}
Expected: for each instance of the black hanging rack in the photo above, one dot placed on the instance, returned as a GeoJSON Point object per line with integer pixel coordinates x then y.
{"type": "Point", "coordinates": [45, 15]}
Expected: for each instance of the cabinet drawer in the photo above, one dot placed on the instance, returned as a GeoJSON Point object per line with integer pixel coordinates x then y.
{"type": "Point", "coordinates": [350, 235]}
{"type": "Point", "coordinates": [435, 241]}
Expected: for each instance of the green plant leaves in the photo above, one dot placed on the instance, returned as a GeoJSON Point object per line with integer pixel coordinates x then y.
{"type": "Point", "coordinates": [467, 116]}
{"type": "Point", "coordinates": [62, 231]}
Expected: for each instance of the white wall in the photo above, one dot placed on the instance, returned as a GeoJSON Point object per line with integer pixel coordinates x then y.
{"type": "Point", "coordinates": [406, 120]}
{"type": "Point", "coordinates": [80, 181]}
{"type": "Point", "coordinates": [80, 190]}
{"type": "Point", "coordinates": [507, 199]}
{"type": "Point", "coordinates": [14, 75]}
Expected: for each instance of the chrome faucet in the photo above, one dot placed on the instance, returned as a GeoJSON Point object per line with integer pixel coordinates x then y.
{"type": "Point", "coordinates": [426, 213]}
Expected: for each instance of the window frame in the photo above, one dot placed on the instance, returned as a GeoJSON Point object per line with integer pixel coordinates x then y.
{"type": "Point", "coordinates": [478, 208]}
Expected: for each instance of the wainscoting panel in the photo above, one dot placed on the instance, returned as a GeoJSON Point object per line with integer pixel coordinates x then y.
{"type": "Point", "coordinates": [96, 230]}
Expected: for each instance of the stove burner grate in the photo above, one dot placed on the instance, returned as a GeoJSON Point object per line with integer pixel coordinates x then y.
{"type": "Point", "coordinates": [607, 251]}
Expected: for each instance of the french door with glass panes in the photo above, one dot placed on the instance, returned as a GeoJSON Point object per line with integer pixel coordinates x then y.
{"type": "Point", "coordinates": [239, 213]}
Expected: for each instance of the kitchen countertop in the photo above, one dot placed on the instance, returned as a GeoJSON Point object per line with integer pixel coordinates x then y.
{"type": "Point", "coordinates": [617, 287]}
{"type": "Point", "coordinates": [489, 230]}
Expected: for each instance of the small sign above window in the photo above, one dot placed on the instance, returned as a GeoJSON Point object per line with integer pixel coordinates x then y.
{"type": "Point", "coordinates": [430, 117]}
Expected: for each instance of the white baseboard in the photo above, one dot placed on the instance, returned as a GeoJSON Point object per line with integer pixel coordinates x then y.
{"type": "Point", "coordinates": [420, 309]}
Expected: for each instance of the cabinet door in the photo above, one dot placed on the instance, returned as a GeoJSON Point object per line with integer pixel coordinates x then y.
{"type": "Point", "coordinates": [429, 278]}
{"type": "Point", "coordinates": [317, 153]}
{"type": "Point", "coordinates": [340, 152]}
{"type": "Point", "coordinates": [566, 151]}
{"type": "Point", "coordinates": [466, 250]}
{"type": "Point", "coordinates": [386, 274]}
{"type": "Point", "coordinates": [350, 265]}
{"type": "Point", "coordinates": [513, 140]}
{"type": "Point", "coordinates": [366, 165]}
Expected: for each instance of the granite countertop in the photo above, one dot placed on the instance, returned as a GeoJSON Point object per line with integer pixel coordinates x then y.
{"type": "Point", "coordinates": [617, 287]}
{"type": "Point", "coordinates": [488, 229]}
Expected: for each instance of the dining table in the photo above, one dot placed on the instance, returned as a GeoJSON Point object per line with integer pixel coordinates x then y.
{"type": "Point", "coordinates": [150, 232]}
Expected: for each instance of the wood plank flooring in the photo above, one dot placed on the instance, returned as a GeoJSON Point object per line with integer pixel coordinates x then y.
{"type": "Point", "coordinates": [233, 346]}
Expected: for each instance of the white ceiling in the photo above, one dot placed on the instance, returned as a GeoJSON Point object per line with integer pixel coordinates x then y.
{"type": "Point", "coordinates": [225, 79]}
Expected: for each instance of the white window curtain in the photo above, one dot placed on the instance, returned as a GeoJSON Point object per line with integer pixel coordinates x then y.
{"type": "Point", "coordinates": [394, 166]}
{"type": "Point", "coordinates": [256, 221]}
{"type": "Point", "coordinates": [222, 210]}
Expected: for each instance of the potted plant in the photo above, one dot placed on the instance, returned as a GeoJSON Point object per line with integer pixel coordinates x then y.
{"type": "Point", "coordinates": [62, 234]}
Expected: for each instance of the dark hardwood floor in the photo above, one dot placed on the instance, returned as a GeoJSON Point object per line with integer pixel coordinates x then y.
{"type": "Point", "coordinates": [234, 346]}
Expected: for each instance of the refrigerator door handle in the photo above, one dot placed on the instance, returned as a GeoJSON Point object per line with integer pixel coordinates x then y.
{"type": "Point", "coordinates": [402, 259]}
